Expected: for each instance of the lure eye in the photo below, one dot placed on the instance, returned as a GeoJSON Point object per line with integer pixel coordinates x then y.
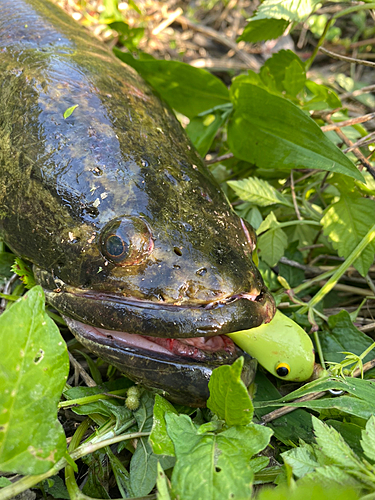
{"type": "Point", "coordinates": [126, 241]}
{"type": "Point", "coordinates": [283, 369]}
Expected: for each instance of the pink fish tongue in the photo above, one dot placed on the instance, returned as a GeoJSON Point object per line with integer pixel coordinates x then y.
{"type": "Point", "coordinates": [198, 348]}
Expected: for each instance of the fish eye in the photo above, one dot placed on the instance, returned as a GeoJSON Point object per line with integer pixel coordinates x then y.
{"type": "Point", "coordinates": [282, 369]}
{"type": "Point", "coordinates": [126, 241]}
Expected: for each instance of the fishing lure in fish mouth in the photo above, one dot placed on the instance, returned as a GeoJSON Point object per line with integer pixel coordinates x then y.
{"type": "Point", "coordinates": [130, 235]}
{"type": "Point", "coordinates": [282, 347]}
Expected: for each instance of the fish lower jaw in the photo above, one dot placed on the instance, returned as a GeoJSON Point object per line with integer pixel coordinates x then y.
{"type": "Point", "coordinates": [218, 349]}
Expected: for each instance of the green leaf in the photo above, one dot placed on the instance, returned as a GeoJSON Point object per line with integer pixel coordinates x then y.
{"type": "Point", "coordinates": [294, 79]}
{"type": "Point", "coordinates": [34, 366]}
{"type": "Point", "coordinates": [343, 336]}
{"type": "Point", "coordinates": [186, 89]}
{"type": "Point", "coordinates": [332, 444]}
{"type": "Point", "coordinates": [322, 97]}
{"type": "Point", "coordinates": [302, 459]}
{"type": "Point", "coordinates": [24, 272]}
{"type": "Point", "coordinates": [213, 466]}
{"type": "Point", "coordinates": [329, 476]}
{"type": "Point", "coordinates": [350, 432]}
{"type": "Point", "coordinates": [368, 439]}
{"type": "Point", "coordinates": [143, 465]}
{"type": "Point", "coordinates": [229, 398]}
{"type": "Point", "coordinates": [272, 244]}
{"type": "Point", "coordinates": [6, 262]}
{"type": "Point", "coordinates": [263, 29]}
{"type": "Point", "coordinates": [162, 484]}
{"type": "Point", "coordinates": [309, 492]}
{"type": "Point", "coordinates": [259, 192]}
{"type": "Point", "coordinates": [346, 223]}
{"type": "Point", "coordinates": [292, 10]}
{"type": "Point", "coordinates": [160, 441]}
{"type": "Point", "coordinates": [203, 128]}
{"type": "Point", "coordinates": [287, 428]}
{"type": "Point", "coordinates": [69, 111]}
{"type": "Point", "coordinates": [121, 474]}
{"type": "Point", "coordinates": [286, 70]}
{"type": "Point", "coordinates": [272, 132]}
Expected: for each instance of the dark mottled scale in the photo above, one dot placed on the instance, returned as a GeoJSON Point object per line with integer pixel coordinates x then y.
{"type": "Point", "coordinates": [121, 155]}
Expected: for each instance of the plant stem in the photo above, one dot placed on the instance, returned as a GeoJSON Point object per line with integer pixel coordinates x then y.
{"type": "Point", "coordinates": [309, 61]}
{"type": "Point", "coordinates": [8, 492]}
{"type": "Point", "coordinates": [369, 237]}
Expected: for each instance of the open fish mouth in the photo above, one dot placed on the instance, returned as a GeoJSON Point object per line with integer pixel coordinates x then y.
{"type": "Point", "coordinates": [178, 368]}
{"type": "Point", "coordinates": [170, 347]}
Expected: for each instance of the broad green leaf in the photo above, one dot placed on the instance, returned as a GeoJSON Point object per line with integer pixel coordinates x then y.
{"type": "Point", "coordinates": [309, 492]}
{"type": "Point", "coordinates": [69, 111]}
{"type": "Point", "coordinates": [292, 10]}
{"type": "Point", "coordinates": [287, 72]}
{"type": "Point", "coordinates": [259, 192]}
{"type": "Point", "coordinates": [160, 441]}
{"type": "Point", "coordinates": [213, 466]}
{"type": "Point", "coordinates": [271, 245]}
{"type": "Point", "coordinates": [229, 398]}
{"type": "Point", "coordinates": [332, 444]}
{"type": "Point", "coordinates": [186, 89]}
{"type": "Point", "coordinates": [263, 29]}
{"type": "Point", "coordinates": [294, 79]}
{"type": "Point", "coordinates": [346, 223]}
{"type": "Point", "coordinates": [368, 439]}
{"type": "Point", "coordinates": [34, 366]}
{"type": "Point", "coordinates": [272, 132]}
{"type": "Point", "coordinates": [343, 336]}
{"type": "Point", "coordinates": [269, 222]}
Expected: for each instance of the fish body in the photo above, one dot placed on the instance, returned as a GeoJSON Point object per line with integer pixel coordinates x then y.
{"type": "Point", "coordinates": [127, 229]}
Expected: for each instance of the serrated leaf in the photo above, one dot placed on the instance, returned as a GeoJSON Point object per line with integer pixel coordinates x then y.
{"type": "Point", "coordinates": [346, 222]}
{"type": "Point", "coordinates": [69, 111]}
{"type": "Point", "coordinates": [263, 29]}
{"type": "Point", "coordinates": [302, 460]}
{"type": "Point", "coordinates": [229, 398]}
{"type": "Point", "coordinates": [272, 132]}
{"type": "Point", "coordinates": [332, 444]}
{"type": "Point", "coordinates": [258, 192]}
{"type": "Point", "coordinates": [329, 476]}
{"type": "Point", "coordinates": [213, 466]}
{"type": "Point", "coordinates": [292, 10]}
{"type": "Point", "coordinates": [368, 439]}
{"type": "Point", "coordinates": [34, 366]}
{"type": "Point", "coordinates": [186, 89]}
{"type": "Point", "coordinates": [272, 245]}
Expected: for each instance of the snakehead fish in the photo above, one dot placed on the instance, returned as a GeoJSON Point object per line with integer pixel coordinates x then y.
{"type": "Point", "coordinates": [130, 236]}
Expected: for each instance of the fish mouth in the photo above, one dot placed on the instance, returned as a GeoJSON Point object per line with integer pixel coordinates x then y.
{"type": "Point", "coordinates": [178, 368]}
{"type": "Point", "coordinates": [171, 347]}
